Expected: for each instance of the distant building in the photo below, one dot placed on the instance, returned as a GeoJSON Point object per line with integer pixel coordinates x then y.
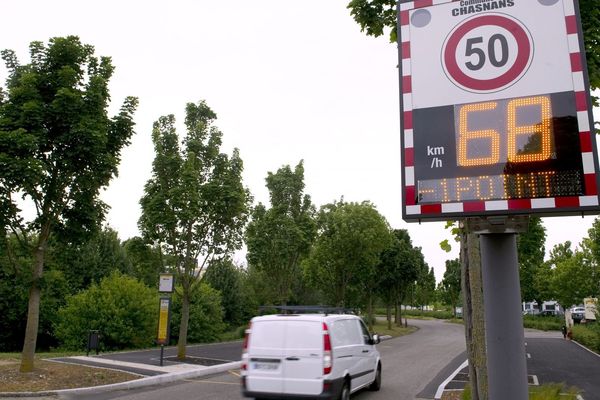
{"type": "Point", "coordinates": [548, 307]}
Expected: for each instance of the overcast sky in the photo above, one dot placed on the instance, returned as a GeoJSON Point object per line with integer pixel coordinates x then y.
{"type": "Point", "coordinates": [289, 80]}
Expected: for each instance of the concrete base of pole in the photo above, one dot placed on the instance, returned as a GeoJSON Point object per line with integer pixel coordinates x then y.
{"type": "Point", "coordinates": [505, 339]}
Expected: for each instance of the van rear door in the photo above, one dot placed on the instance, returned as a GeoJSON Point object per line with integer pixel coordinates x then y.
{"type": "Point", "coordinates": [303, 363]}
{"type": "Point", "coordinates": [266, 352]}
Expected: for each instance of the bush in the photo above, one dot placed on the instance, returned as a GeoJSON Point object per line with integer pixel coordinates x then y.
{"type": "Point", "coordinates": [588, 335]}
{"type": "Point", "coordinates": [124, 310]}
{"type": "Point", "coordinates": [233, 334]}
{"type": "Point", "coordinates": [543, 323]}
{"type": "Point", "coordinates": [428, 314]}
{"type": "Point", "coordinates": [206, 315]}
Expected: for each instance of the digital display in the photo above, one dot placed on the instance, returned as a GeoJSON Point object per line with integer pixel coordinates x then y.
{"type": "Point", "coordinates": [517, 148]}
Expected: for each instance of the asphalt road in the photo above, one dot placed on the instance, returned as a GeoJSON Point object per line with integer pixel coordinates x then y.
{"type": "Point", "coordinates": [410, 363]}
{"type": "Point", "coordinates": [558, 360]}
{"type": "Point", "coordinates": [550, 359]}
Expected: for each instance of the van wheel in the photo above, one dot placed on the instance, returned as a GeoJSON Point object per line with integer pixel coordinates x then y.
{"type": "Point", "coordinates": [345, 395]}
{"type": "Point", "coordinates": [376, 385]}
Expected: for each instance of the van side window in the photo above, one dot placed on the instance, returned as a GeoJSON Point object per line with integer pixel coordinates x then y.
{"type": "Point", "coordinates": [366, 336]}
{"type": "Point", "coordinates": [344, 333]}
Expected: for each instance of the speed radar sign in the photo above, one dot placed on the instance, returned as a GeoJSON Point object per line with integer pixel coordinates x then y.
{"type": "Point", "coordinates": [495, 110]}
{"type": "Point", "coordinates": [487, 53]}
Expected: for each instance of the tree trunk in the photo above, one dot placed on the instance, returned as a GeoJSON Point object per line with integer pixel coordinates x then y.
{"type": "Point", "coordinates": [33, 318]}
{"type": "Point", "coordinates": [473, 314]}
{"type": "Point", "coordinates": [33, 310]}
{"type": "Point", "coordinates": [389, 316]}
{"type": "Point", "coordinates": [183, 326]}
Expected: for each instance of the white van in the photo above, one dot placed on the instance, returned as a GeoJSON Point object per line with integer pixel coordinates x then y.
{"type": "Point", "coordinates": [303, 356]}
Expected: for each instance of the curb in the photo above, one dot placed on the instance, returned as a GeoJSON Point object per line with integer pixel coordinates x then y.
{"type": "Point", "coordinates": [138, 383]}
{"type": "Point", "coordinates": [440, 391]}
{"type": "Point", "coordinates": [134, 384]}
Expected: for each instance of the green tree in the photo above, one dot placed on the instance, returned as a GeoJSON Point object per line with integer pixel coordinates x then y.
{"type": "Point", "coordinates": [590, 21]}
{"type": "Point", "coordinates": [146, 262]}
{"type": "Point", "coordinates": [592, 243]}
{"type": "Point", "coordinates": [451, 284]}
{"type": "Point", "coordinates": [280, 237]}
{"type": "Point", "coordinates": [206, 314]}
{"type": "Point", "coordinates": [225, 277]}
{"type": "Point", "coordinates": [255, 284]}
{"type": "Point", "coordinates": [349, 241]}
{"type": "Point", "coordinates": [375, 17]}
{"type": "Point", "coordinates": [560, 252]}
{"type": "Point", "coordinates": [425, 286]}
{"type": "Point", "coordinates": [58, 148]}
{"type": "Point", "coordinates": [194, 205]}
{"type": "Point", "coordinates": [397, 272]}
{"type": "Point", "coordinates": [120, 307]}
{"type": "Point", "coordinates": [542, 281]}
{"type": "Point", "coordinates": [571, 281]}
{"type": "Point", "coordinates": [544, 276]}
{"type": "Point", "coordinates": [590, 249]}
{"type": "Point", "coordinates": [368, 278]}
{"type": "Point", "coordinates": [91, 261]}
{"type": "Point", "coordinates": [530, 248]}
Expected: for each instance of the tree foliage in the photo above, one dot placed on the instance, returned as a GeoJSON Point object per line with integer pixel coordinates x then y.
{"type": "Point", "coordinates": [350, 240]}
{"type": "Point", "coordinates": [376, 17]}
{"type": "Point", "coordinates": [280, 237]}
{"type": "Point", "coordinates": [224, 276]}
{"type": "Point", "coordinates": [425, 286]}
{"type": "Point", "coordinates": [572, 279]}
{"type": "Point", "coordinates": [206, 315]}
{"type": "Point", "coordinates": [91, 261]}
{"type": "Point", "coordinates": [397, 271]}
{"type": "Point", "coordinates": [590, 21]}
{"type": "Point", "coordinates": [58, 148]}
{"type": "Point", "coordinates": [145, 261]}
{"type": "Point", "coordinates": [451, 284]}
{"type": "Point", "coordinates": [194, 205]}
{"type": "Point", "coordinates": [530, 248]}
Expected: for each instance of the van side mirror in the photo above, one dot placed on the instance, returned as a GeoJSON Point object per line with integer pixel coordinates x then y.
{"type": "Point", "coordinates": [375, 339]}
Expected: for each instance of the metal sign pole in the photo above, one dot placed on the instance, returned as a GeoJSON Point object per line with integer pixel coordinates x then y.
{"type": "Point", "coordinates": [505, 339]}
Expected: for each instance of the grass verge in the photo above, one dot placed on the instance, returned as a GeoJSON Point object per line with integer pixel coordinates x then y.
{"type": "Point", "coordinates": [381, 328]}
{"type": "Point", "coordinates": [548, 391]}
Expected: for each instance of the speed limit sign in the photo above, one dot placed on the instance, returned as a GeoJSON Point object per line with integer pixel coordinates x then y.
{"type": "Point", "coordinates": [495, 110]}
{"type": "Point", "coordinates": [487, 53]}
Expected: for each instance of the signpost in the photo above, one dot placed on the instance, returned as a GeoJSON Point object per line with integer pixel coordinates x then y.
{"type": "Point", "coordinates": [496, 125]}
{"type": "Point", "coordinates": [165, 285]}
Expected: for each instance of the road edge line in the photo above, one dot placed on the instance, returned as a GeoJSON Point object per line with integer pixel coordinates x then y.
{"type": "Point", "coordinates": [582, 346]}
{"type": "Point", "coordinates": [440, 390]}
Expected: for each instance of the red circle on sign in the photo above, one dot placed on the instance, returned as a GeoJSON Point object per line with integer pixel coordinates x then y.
{"type": "Point", "coordinates": [519, 66]}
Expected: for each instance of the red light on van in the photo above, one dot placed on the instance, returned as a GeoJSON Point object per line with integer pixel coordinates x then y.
{"type": "Point", "coordinates": [245, 347]}
{"type": "Point", "coordinates": [327, 357]}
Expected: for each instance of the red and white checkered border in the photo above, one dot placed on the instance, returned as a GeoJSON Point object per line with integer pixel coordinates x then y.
{"type": "Point", "coordinates": [585, 136]}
